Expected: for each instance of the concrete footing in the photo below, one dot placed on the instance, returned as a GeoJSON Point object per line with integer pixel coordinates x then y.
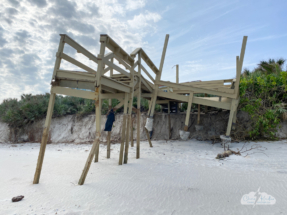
{"type": "Point", "coordinates": [184, 134]}
{"type": "Point", "coordinates": [226, 141]}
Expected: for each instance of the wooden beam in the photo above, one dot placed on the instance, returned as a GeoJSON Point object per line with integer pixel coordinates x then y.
{"type": "Point", "coordinates": [135, 52]}
{"type": "Point", "coordinates": [190, 98]}
{"type": "Point", "coordinates": [72, 92]}
{"type": "Point", "coordinates": [148, 61]}
{"type": "Point", "coordinates": [198, 89]}
{"type": "Point", "coordinates": [113, 95]}
{"type": "Point", "coordinates": [79, 48]}
{"type": "Point", "coordinates": [146, 72]}
{"type": "Point", "coordinates": [44, 138]}
{"type": "Point", "coordinates": [75, 62]}
{"type": "Point", "coordinates": [114, 47]}
{"type": "Point", "coordinates": [239, 67]}
{"type": "Point", "coordinates": [119, 69]}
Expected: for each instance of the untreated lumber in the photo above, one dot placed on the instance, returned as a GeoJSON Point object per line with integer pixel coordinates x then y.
{"type": "Point", "coordinates": [44, 138]}
{"type": "Point", "coordinates": [109, 144]}
{"type": "Point", "coordinates": [188, 111]}
{"type": "Point", "coordinates": [123, 129]}
{"type": "Point", "coordinates": [95, 148]}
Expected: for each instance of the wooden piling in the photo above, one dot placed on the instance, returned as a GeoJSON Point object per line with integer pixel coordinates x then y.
{"type": "Point", "coordinates": [109, 144]}
{"type": "Point", "coordinates": [44, 138]}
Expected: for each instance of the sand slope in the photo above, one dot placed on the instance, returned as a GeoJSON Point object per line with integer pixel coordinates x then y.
{"type": "Point", "coordinates": [173, 177]}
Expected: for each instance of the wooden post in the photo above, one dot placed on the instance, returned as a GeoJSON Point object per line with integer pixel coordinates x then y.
{"type": "Point", "coordinates": [123, 129]}
{"type": "Point", "coordinates": [96, 143]}
{"type": "Point", "coordinates": [139, 107]}
{"type": "Point", "coordinates": [109, 144]}
{"type": "Point", "coordinates": [130, 115]}
{"type": "Point", "coordinates": [44, 138]}
{"type": "Point", "coordinates": [158, 77]}
{"type": "Point", "coordinates": [98, 123]}
{"type": "Point", "coordinates": [111, 74]}
{"type": "Point", "coordinates": [148, 137]}
{"type": "Point", "coordinates": [177, 74]}
{"type": "Point", "coordinates": [188, 111]}
{"type": "Point", "coordinates": [206, 107]}
{"type": "Point", "coordinates": [132, 133]}
{"type": "Point", "coordinates": [232, 111]}
{"type": "Point", "coordinates": [48, 116]}
{"type": "Point", "coordinates": [198, 114]}
{"type": "Point", "coordinates": [169, 123]}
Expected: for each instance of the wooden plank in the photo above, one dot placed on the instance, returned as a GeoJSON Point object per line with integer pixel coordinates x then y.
{"type": "Point", "coordinates": [77, 63]}
{"type": "Point", "coordinates": [109, 89]}
{"type": "Point", "coordinates": [213, 102]}
{"type": "Point", "coordinates": [44, 138]}
{"type": "Point", "coordinates": [115, 84]}
{"type": "Point", "coordinates": [173, 96]}
{"type": "Point", "coordinates": [119, 69]}
{"type": "Point", "coordinates": [190, 98]}
{"type": "Point", "coordinates": [162, 57]}
{"type": "Point", "coordinates": [109, 144]}
{"type": "Point", "coordinates": [58, 59]}
{"type": "Point", "coordinates": [79, 48]}
{"type": "Point", "coordinates": [84, 76]}
{"type": "Point", "coordinates": [232, 111]}
{"type": "Point", "coordinates": [135, 52]}
{"type": "Point", "coordinates": [123, 129]}
{"type": "Point", "coordinates": [72, 92]}
{"type": "Point", "coordinates": [108, 56]}
{"type": "Point", "coordinates": [76, 84]}
{"type": "Point", "coordinates": [145, 83]}
{"type": "Point", "coordinates": [198, 114]}
{"type": "Point", "coordinates": [121, 61]}
{"type": "Point", "coordinates": [114, 47]}
{"type": "Point", "coordinates": [148, 61]}
{"type": "Point", "coordinates": [146, 72]}
{"type": "Point", "coordinates": [113, 95]}
{"type": "Point", "coordinates": [197, 89]}
{"type": "Point", "coordinates": [240, 64]}
{"type": "Point", "coordinates": [138, 94]}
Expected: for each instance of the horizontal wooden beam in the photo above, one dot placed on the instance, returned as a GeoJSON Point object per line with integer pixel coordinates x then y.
{"type": "Point", "coordinates": [115, 84]}
{"type": "Point", "coordinates": [113, 95]}
{"type": "Point", "coordinates": [84, 76]}
{"type": "Point", "coordinates": [79, 48]}
{"type": "Point", "coordinates": [76, 84]}
{"type": "Point", "coordinates": [197, 89]}
{"type": "Point", "coordinates": [76, 93]}
{"type": "Point", "coordinates": [172, 96]}
{"type": "Point", "coordinates": [225, 103]}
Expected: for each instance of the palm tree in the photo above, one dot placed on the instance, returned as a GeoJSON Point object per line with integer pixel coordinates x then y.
{"type": "Point", "coordinates": [271, 66]}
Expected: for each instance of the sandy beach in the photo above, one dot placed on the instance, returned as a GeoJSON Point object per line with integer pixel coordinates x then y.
{"type": "Point", "coordinates": [173, 177]}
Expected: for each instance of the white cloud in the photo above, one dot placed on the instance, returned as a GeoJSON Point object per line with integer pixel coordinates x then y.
{"type": "Point", "coordinates": [135, 4]}
{"type": "Point", "coordinates": [144, 20]}
{"type": "Point", "coordinates": [29, 37]}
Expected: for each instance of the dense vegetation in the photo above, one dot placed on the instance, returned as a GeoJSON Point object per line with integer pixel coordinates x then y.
{"type": "Point", "coordinates": [29, 108]}
{"type": "Point", "coordinates": [262, 92]}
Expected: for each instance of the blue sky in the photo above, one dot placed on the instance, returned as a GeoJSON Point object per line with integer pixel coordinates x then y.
{"type": "Point", "coordinates": [205, 36]}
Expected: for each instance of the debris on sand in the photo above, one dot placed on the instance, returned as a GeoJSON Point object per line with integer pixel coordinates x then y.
{"type": "Point", "coordinates": [226, 154]}
{"type": "Point", "coordinates": [17, 198]}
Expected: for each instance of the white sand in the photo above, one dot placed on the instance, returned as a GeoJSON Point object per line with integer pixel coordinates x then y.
{"type": "Point", "coordinates": [173, 177]}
